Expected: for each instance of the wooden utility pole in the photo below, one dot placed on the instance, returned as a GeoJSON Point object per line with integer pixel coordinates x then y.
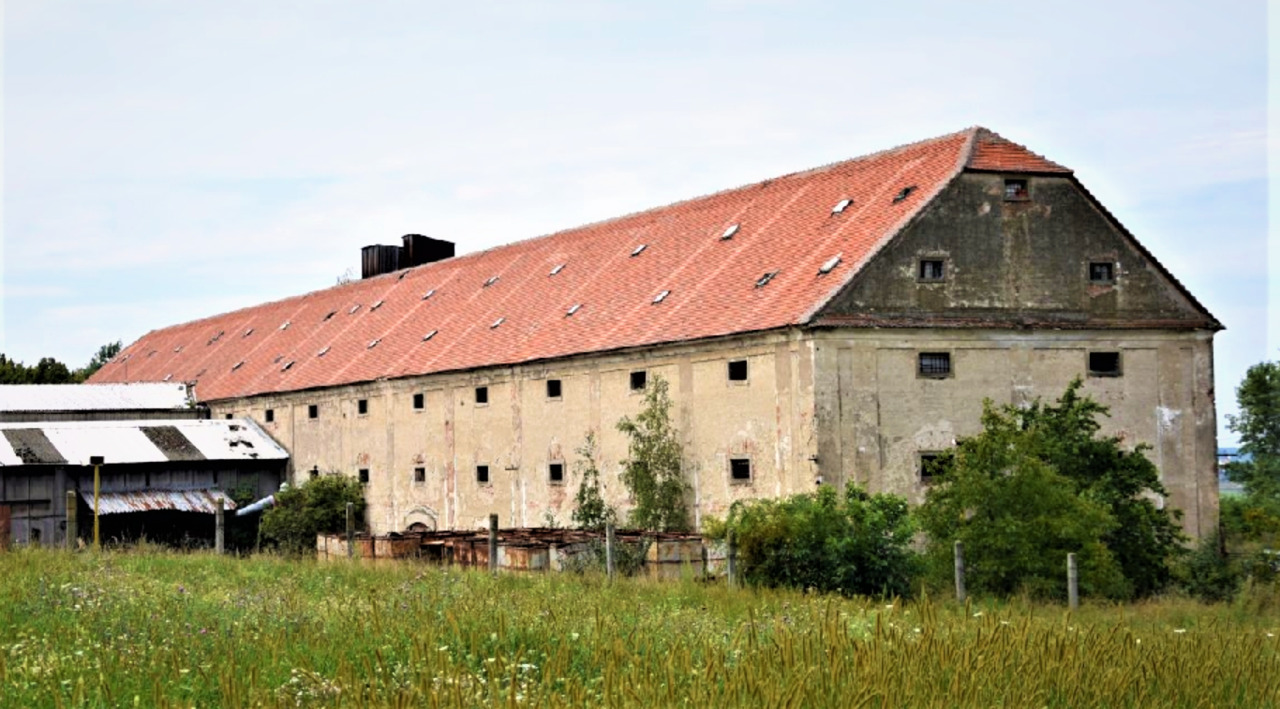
{"type": "Point", "coordinates": [96, 461]}
{"type": "Point", "coordinates": [1073, 583]}
{"type": "Point", "coordinates": [493, 543]}
{"type": "Point", "coordinates": [960, 592]}
{"type": "Point", "coordinates": [72, 502]}
{"type": "Point", "coordinates": [219, 526]}
{"type": "Point", "coordinates": [608, 550]}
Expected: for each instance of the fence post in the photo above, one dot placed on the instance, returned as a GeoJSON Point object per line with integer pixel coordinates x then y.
{"type": "Point", "coordinates": [219, 526]}
{"type": "Point", "coordinates": [608, 549]}
{"type": "Point", "coordinates": [960, 592]}
{"type": "Point", "coordinates": [493, 543]}
{"type": "Point", "coordinates": [1073, 583]}
{"type": "Point", "coordinates": [731, 560]}
{"type": "Point", "coordinates": [72, 508]}
{"type": "Point", "coordinates": [351, 530]}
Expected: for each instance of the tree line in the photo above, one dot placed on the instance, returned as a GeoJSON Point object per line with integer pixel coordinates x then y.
{"type": "Point", "coordinates": [50, 371]}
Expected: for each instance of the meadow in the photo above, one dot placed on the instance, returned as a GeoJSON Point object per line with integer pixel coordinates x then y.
{"type": "Point", "coordinates": [163, 629]}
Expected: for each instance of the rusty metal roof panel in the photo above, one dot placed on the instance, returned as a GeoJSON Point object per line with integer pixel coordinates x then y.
{"type": "Point", "coordinates": [206, 501]}
{"type": "Point", "coordinates": [94, 397]}
{"type": "Point", "coordinates": [152, 441]}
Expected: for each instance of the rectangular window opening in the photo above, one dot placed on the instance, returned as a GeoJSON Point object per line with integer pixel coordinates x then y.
{"type": "Point", "coordinates": [482, 474]}
{"type": "Point", "coordinates": [313, 411]}
{"type": "Point", "coordinates": [555, 473]}
{"type": "Point", "coordinates": [419, 401]}
{"type": "Point", "coordinates": [1016, 190]}
{"type": "Point", "coordinates": [362, 406]}
{"type": "Point", "coordinates": [932, 467]}
{"type": "Point", "coordinates": [738, 370]}
{"type": "Point", "coordinates": [1102, 272]}
{"type": "Point", "coordinates": [740, 470]}
{"type": "Point", "coordinates": [639, 380]}
{"type": "Point", "coordinates": [553, 389]}
{"type": "Point", "coordinates": [419, 475]}
{"type": "Point", "coordinates": [935, 364]}
{"type": "Point", "coordinates": [1104, 364]}
{"type": "Point", "coordinates": [228, 417]}
{"type": "Point", "coordinates": [364, 476]}
{"type": "Point", "coordinates": [932, 269]}
{"type": "Point", "coordinates": [482, 395]}
{"type": "Point", "coordinates": [269, 415]}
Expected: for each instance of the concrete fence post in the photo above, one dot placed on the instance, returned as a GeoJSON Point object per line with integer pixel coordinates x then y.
{"type": "Point", "coordinates": [608, 550]}
{"type": "Point", "coordinates": [1073, 583]}
{"type": "Point", "coordinates": [493, 543]}
{"type": "Point", "coordinates": [960, 592]}
{"type": "Point", "coordinates": [731, 560]}
{"type": "Point", "coordinates": [351, 530]}
{"type": "Point", "coordinates": [72, 509]}
{"type": "Point", "coordinates": [220, 527]}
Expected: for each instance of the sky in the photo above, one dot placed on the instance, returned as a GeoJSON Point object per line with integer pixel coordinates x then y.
{"type": "Point", "coordinates": [169, 161]}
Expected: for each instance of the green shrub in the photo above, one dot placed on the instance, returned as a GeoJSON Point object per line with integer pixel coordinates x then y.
{"type": "Point", "coordinates": [318, 506]}
{"type": "Point", "coordinates": [858, 545]}
{"type": "Point", "coordinates": [1209, 574]}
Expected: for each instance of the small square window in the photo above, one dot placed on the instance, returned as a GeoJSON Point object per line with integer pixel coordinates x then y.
{"type": "Point", "coordinates": [482, 395]}
{"type": "Point", "coordinates": [639, 380]}
{"type": "Point", "coordinates": [419, 401]}
{"type": "Point", "coordinates": [738, 370]}
{"type": "Point", "coordinates": [1104, 364]}
{"type": "Point", "coordinates": [269, 415]}
{"type": "Point", "coordinates": [228, 417]}
{"type": "Point", "coordinates": [740, 470]}
{"type": "Point", "coordinates": [932, 269]}
{"type": "Point", "coordinates": [364, 476]}
{"type": "Point", "coordinates": [935, 364]}
{"type": "Point", "coordinates": [932, 466]}
{"type": "Point", "coordinates": [1102, 272]}
{"type": "Point", "coordinates": [313, 411]}
{"type": "Point", "coordinates": [362, 406]}
{"type": "Point", "coordinates": [553, 388]}
{"type": "Point", "coordinates": [482, 474]}
{"type": "Point", "coordinates": [314, 472]}
{"type": "Point", "coordinates": [419, 475]}
{"type": "Point", "coordinates": [1016, 190]}
{"type": "Point", "coordinates": [555, 473]}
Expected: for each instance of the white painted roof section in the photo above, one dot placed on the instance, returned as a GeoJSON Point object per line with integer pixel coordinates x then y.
{"type": "Point", "coordinates": [124, 441]}
{"type": "Point", "coordinates": [93, 397]}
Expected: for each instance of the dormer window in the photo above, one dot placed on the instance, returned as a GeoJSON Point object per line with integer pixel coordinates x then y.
{"type": "Point", "coordinates": [932, 269]}
{"type": "Point", "coordinates": [1102, 272]}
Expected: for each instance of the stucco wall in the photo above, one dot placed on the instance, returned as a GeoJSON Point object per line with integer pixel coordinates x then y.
{"type": "Point", "coordinates": [876, 414]}
{"type": "Point", "coordinates": [520, 431]}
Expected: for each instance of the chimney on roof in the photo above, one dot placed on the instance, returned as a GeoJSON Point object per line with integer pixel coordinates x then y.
{"type": "Point", "coordinates": [419, 249]}
{"type": "Point", "coordinates": [377, 259]}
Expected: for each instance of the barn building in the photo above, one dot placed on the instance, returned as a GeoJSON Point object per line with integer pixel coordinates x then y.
{"type": "Point", "coordinates": [837, 325]}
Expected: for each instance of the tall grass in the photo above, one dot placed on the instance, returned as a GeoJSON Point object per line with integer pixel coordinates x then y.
{"type": "Point", "coordinates": [162, 629]}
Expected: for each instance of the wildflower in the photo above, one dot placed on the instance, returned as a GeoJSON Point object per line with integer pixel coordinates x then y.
{"type": "Point", "coordinates": [978, 614]}
{"type": "Point", "coordinates": [1179, 630]}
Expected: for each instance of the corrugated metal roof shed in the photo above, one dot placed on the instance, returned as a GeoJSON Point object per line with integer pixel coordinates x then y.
{"type": "Point", "coordinates": [152, 441]}
{"type": "Point", "coordinates": [206, 501]}
{"type": "Point", "coordinates": [93, 397]}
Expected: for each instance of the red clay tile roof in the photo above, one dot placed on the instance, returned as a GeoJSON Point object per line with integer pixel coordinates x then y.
{"type": "Point", "coordinates": [995, 154]}
{"type": "Point", "coordinates": [375, 328]}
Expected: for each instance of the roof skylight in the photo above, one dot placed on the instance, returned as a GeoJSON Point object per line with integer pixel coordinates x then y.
{"type": "Point", "coordinates": [373, 343]}
{"type": "Point", "coordinates": [906, 192]}
{"type": "Point", "coordinates": [177, 349]}
{"type": "Point", "coordinates": [497, 322]}
{"type": "Point", "coordinates": [167, 377]}
{"type": "Point", "coordinates": [841, 206]}
{"type": "Point", "coordinates": [285, 325]}
{"type": "Point", "coordinates": [247, 332]}
{"type": "Point", "coordinates": [376, 305]}
{"type": "Point", "coordinates": [330, 315]}
{"type": "Point", "coordinates": [661, 297]}
{"type": "Point", "coordinates": [353, 309]}
{"type": "Point", "coordinates": [287, 366]}
{"type": "Point", "coordinates": [573, 309]}
{"type": "Point", "coordinates": [639, 249]}
{"type": "Point", "coordinates": [237, 365]}
{"type": "Point", "coordinates": [323, 351]}
{"type": "Point", "coordinates": [559, 267]}
{"type": "Point", "coordinates": [764, 280]}
{"type": "Point", "coordinates": [429, 335]}
{"type": "Point", "coordinates": [491, 281]}
{"type": "Point", "coordinates": [829, 264]}
{"type": "Point", "coordinates": [728, 233]}
{"type": "Point", "coordinates": [428, 294]}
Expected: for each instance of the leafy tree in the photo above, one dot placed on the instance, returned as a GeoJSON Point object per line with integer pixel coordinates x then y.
{"type": "Point", "coordinates": [101, 357]}
{"type": "Point", "coordinates": [858, 545]}
{"type": "Point", "coordinates": [318, 506]}
{"type": "Point", "coordinates": [47, 371]}
{"type": "Point", "coordinates": [653, 470]}
{"type": "Point", "coordinates": [590, 511]}
{"type": "Point", "coordinates": [1038, 483]}
{"type": "Point", "coordinates": [1259, 428]}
